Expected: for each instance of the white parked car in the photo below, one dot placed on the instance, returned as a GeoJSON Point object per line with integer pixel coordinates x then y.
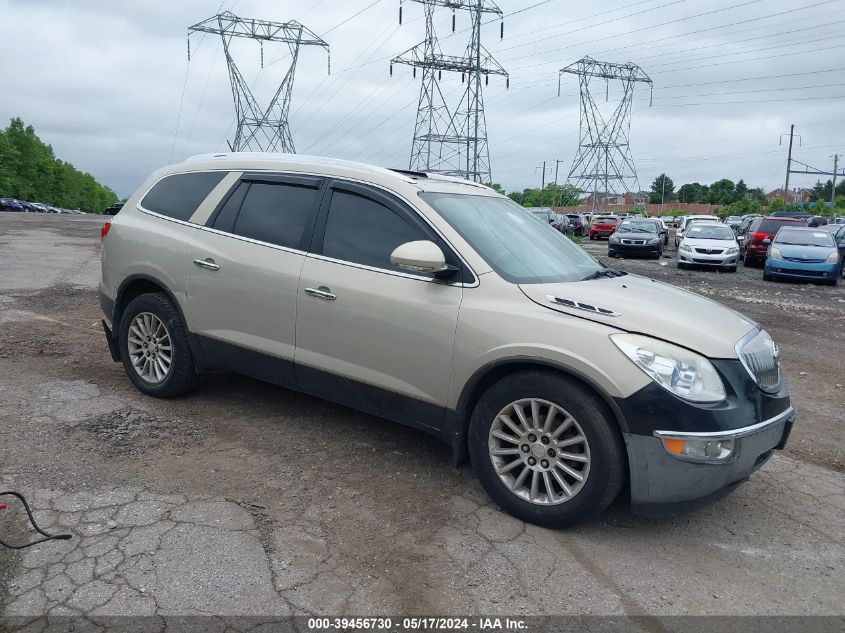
{"type": "Point", "coordinates": [686, 220]}
{"type": "Point", "coordinates": [443, 305]}
{"type": "Point", "coordinates": [709, 244]}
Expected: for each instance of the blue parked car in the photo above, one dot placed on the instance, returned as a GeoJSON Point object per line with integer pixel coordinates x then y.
{"type": "Point", "coordinates": [802, 253]}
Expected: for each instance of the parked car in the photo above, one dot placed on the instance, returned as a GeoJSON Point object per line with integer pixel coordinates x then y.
{"type": "Point", "coordinates": [10, 204]}
{"type": "Point", "coordinates": [685, 222]}
{"type": "Point", "coordinates": [564, 380]}
{"type": "Point", "coordinates": [761, 229]}
{"type": "Point", "coordinates": [817, 220]}
{"type": "Point", "coordinates": [579, 223]}
{"type": "Point", "coordinates": [113, 209]}
{"type": "Point", "coordinates": [603, 226]}
{"type": "Point", "coordinates": [709, 244]}
{"type": "Point", "coordinates": [838, 232]}
{"type": "Point", "coordinates": [733, 221]}
{"type": "Point", "coordinates": [636, 236]}
{"type": "Point", "coordinates": [802, 253]}
{"type": "Point", "coordinates": [678, 220]}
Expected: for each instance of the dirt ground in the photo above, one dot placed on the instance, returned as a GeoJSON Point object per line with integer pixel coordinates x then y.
{"type": "Point", "coordinates": [244, 498]}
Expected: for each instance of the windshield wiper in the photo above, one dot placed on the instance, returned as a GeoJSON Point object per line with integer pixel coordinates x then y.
{"type": "Point", "coordinates": [626, 229]}
{"type": "Point", "coordinates": [604, 272]}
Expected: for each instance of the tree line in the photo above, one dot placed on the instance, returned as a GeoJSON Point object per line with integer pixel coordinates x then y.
{"type": "Point", "coordinates": [29, 170]}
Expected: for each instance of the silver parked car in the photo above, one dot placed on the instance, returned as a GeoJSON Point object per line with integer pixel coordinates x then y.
{"type": "Point", "coordinates": [440, 304]}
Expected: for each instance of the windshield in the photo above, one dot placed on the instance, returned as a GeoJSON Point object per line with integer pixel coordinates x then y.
{"type": "Point", "coordinates": [798, 237]}
{"type": "Point", "coordinates": [637, 226]}
{"type": "Point", "coordinates": [520, 250]}
{"type": "Point", "coordinates": [710, 231]}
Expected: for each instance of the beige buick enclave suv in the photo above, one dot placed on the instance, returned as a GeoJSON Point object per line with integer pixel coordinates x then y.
{"type": "Point", "coordinates": [440, 304]}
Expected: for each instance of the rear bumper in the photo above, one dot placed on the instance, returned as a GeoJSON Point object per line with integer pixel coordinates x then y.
{"type": "Point", "coordinates": [799, 270]}
{"type": "Point", "coordinates": [662, 484]}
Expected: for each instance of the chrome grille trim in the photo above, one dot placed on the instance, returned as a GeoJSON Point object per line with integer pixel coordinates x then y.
{"type": "Point", "coordinates": [758, 353]}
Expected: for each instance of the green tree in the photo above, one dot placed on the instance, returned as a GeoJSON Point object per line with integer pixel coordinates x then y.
{"type": "Point", "coordinates": [722, 192]}
{"type": "Point", "coordinates": [692, 192]}
{"type": "Point", "coordinates": [661, 189]}
{"type": "Point", "coordinates": [30, 171]}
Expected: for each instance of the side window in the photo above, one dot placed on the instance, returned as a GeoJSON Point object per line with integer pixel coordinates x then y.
{"type": "Point", "coordinates": [363, 231]}
{"type": "Point", "coordinates": [179, 195]}
{"type": "Point", "coordinates": [276, 213]}
{"type": "Point", "coordinates": [224, 219]}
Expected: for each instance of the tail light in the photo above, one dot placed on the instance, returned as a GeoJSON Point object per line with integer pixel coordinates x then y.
{"type": "Point", "coordinates": [105, 230]}
{"type": "Point", "coordinates": [759, 237]}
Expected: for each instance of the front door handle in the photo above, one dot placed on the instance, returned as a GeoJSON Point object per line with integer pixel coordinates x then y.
{"type": "Point", "coordinates": [208, 264]}
{"type": "Point", "coordinates": [321, 293]}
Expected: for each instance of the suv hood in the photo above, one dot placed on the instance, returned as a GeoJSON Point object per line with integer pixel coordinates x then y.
{"type": "Point", "coordinates": [645, 306]}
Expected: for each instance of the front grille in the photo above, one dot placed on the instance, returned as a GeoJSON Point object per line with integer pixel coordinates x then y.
{"type": "Point", "coordinates": [709, 251]}
{"type": "Point", "coordinates": [759, 355]}
{"type": "Point", "coordinates": [797, 272]}
{"type": "Point", "coordinates": [803, 261]}
{"type": "Point", "coordinates": [637, 242]}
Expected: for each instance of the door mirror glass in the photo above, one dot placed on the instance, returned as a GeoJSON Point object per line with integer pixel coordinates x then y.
{"type": "Point", "coordinates": [767, 241]}
{"type": "Point", "coordinates": [421, 256]}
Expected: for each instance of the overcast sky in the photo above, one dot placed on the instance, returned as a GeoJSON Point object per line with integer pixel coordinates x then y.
{"type": "Point", "coordinates": [102, 82]}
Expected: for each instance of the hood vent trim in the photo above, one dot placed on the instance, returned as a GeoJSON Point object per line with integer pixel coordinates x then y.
{"type": "Point", "coordinates": [577, 305]}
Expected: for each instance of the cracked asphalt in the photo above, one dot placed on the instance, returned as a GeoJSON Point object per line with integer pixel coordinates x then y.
{"type": "Point", "coordinates": [247, 499]}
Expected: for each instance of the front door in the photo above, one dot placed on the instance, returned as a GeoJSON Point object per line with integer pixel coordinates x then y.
{"type": "Point", "coordinates": [361, 319]}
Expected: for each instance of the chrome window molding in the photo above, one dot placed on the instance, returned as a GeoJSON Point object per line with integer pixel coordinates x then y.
{"type": "Point", "coordinates": [387, 271]}
{"type": "Point", "coordinates": [728, 435]}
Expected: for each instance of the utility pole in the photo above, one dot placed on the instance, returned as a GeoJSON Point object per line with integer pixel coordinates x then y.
{"type": "Point", "coordinates": [259, 129]}
{"type": "Point", "coordinates": [663, 196]}
{"type": "Point", "coordinates": [448, 139]}
{"type": "Point", "coordinates": [788, 161]}
{"type": "Point", "coordinates": [557, 193]}
{"type": "Point", "coordinates": [603, 164]}
{"type": "Point", "coordinates": [833, 188]}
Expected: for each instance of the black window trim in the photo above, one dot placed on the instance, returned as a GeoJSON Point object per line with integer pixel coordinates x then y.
{"type": "Point", "coordinates": [144, 209]}
{"type": "Point", "coordinates": [271, 177]}
{"type": "Point", "coordinates": [466, 277]}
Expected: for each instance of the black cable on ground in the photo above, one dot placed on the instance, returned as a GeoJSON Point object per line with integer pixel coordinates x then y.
{"type": "Point", "coordinates": [46, 536]}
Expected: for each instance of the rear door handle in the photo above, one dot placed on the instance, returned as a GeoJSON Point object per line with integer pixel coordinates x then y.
{"type": "Point", "coordinates": [321, 293]}
{"type": "Point", "coordinates": [208, 264]}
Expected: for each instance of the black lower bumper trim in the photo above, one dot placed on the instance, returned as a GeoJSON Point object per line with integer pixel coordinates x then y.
{"type": "Point", "coordinates": [662, 510]}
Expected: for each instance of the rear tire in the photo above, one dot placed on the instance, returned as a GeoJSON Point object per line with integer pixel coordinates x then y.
{"type": "Point", "coordinates": [748, 262]}
{"type": "Point", "coordinates": [582, 413]}
{"type": "Point", "coordinates": [160, 347]}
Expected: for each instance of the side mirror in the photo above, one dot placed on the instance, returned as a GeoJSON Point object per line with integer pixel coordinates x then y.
{"type": "Point", "coordinates": [422, 256]}
{"type": "Point", "coordinates": [767, 241]}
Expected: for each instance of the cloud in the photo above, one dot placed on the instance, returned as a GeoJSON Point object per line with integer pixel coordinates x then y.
{"type": "Point", "coordinates": [103, 82]}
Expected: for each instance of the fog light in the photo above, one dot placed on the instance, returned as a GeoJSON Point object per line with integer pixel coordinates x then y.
{"type": "Point", "coordinates": [700, 449]}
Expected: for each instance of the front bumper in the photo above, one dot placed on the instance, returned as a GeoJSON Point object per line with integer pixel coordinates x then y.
{"type": "Point", "coordinates": [633, 249]}
{"type": "Point", "coordinates": [662, 484]}
{"type": "Point", "coordinates": [801, 270]}
{"type": "Point", "coordinates": [703, 259]}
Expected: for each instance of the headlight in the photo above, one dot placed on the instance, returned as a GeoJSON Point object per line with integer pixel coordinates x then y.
{"type": "Point", "coordinates": [653, 240]}
{"type": "Point", "coordinates": [832, 258]}
{"type": "Point", "coordinates": [774, 253]}
{"type": "Point", "coordinates": [684, 247]}
{"type": "Point", "coordinates": [613, 239]}
{"type": "Point", "coordinates": [732, 251]}
{"type": "Point", "coordinates": [678, 370]}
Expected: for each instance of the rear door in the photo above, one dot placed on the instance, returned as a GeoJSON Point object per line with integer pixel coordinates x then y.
{"type": "Point", "coordinates": [361, 321]}
{"type": "Point", "coordinates": [243, 272]}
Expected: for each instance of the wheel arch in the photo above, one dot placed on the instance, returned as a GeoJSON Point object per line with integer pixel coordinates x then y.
{"type": "Point", "coordinates": [485, 376]}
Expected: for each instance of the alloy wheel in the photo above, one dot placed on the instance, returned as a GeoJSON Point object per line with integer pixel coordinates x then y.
{"type": "Point", "coordinates": [150, 348]}
{"type": "Point", "coordinates": [539, 451]}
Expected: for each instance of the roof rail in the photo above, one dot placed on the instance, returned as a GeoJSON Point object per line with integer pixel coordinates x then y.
{"type": "Point", "coordinates": [409, 172]}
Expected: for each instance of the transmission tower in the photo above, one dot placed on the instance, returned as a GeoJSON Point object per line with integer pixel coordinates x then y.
{"type": "Point", "coordinates": [452, 140]}
{"type": "Point", "coordinates": [263, 130]}
{"type": "Point", "coordinates": [603, 165]}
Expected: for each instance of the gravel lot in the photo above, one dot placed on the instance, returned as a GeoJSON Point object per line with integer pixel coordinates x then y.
{"type": "Point", "coordinates": [244, 498]}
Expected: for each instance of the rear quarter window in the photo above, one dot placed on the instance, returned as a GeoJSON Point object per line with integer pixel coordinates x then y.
{"type": "Point", "coordinates": [178, 196]}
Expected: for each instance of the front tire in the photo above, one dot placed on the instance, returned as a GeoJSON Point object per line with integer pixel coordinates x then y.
{"type": "Point", "coordinates": [575, 463]}
{"type": "Point", "coordinates": [154, 347]}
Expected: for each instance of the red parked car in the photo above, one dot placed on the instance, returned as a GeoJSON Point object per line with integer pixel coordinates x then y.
{"type": "Point", "coordinates": [760, 235]}
{"type": "Point", "coordinates": [603, 226]}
